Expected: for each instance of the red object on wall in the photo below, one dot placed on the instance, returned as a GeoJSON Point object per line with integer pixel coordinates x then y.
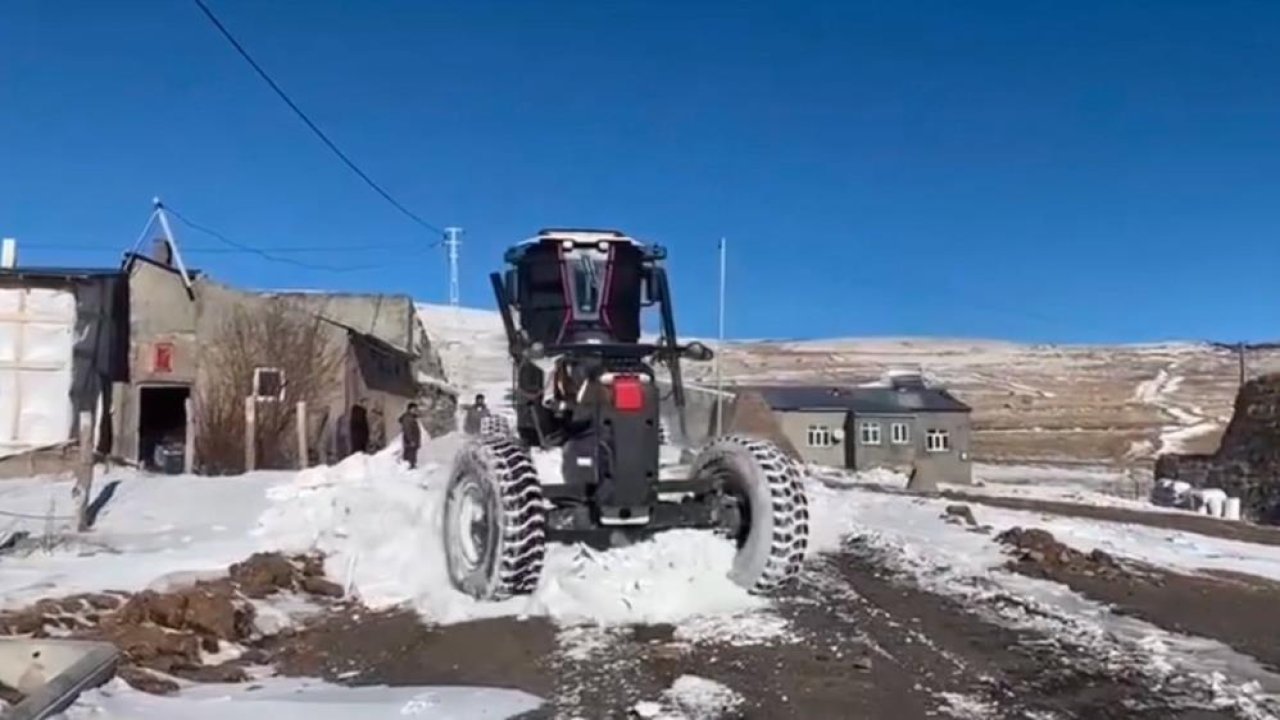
{"type": "Point", "coordinates": [162, 358]}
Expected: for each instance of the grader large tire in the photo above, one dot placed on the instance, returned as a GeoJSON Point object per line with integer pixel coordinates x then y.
{"type": "Point", "coordinates": [774, 533]}
{"type": "Point", "coordinates": [494, 520]}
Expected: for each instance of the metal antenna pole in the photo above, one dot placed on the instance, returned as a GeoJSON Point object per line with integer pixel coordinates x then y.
{"type": "Point", "coordinates": [452, 242]}
{"type": "Point", "coordinates": [720, 349]}
{"type": "Point", "coordinates": [163, 218]}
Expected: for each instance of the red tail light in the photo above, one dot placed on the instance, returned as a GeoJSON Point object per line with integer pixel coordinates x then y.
{"type": "Point", "coordinates": [628, 393]}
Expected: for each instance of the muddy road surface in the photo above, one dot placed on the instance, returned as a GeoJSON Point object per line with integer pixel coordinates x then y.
{"type": "Point", "coordinates": [861, 641]}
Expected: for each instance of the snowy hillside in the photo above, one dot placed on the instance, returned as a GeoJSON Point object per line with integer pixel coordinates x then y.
{"type": "Point", "coordinates": [1033, 403]}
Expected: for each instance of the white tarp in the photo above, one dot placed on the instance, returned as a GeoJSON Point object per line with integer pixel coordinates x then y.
{"type": "Point", "coordinates": [37, 329]}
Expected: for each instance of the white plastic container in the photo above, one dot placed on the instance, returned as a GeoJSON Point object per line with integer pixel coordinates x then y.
{"type": "Point", "coordinates": [1231, 508]}
{"type": "Point", "coordinates": [1209, 501]}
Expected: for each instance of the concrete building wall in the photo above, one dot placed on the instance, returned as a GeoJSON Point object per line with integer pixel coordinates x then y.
{"type": "Point", "coordinates": [796, 425]}
{"type": "Point", "coordinates": [162, 313]}
{"type": "Point", "coordinates": [953, 465]}
{"type": "Point", "coordinates": [163, 347]}
{"type": "Point", "coordinates": [873, 442]}
{"type": "Point", "coordinates": [835, 438]}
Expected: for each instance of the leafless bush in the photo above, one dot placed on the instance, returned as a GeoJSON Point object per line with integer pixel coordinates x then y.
{"type": "Point", "coordinates": [270, 335]}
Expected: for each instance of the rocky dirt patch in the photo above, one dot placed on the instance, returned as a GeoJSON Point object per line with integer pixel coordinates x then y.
{"type": "Point", "coordinates": [166, 635]}
{"type": "Point", "coordinates": [1233, 608]}
{"type": "Point", "coordinates": [1039, 554]}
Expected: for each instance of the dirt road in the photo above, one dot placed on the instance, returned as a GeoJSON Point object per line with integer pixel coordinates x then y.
{"type": "Point", "coordinates": [863, 643]}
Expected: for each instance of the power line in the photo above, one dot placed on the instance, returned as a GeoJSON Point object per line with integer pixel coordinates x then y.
{"type": "Point", "coordinates": [201, 249]}
{"type": "Point", "coordinates": [314, 128]}
{"type": "Point", "coordinates": [259, 252]}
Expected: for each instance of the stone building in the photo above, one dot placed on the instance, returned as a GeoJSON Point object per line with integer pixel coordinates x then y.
{"type": "Point", "coordinates": [1247, 462]}
{"type": "Point", "coordinates": [140, 346]}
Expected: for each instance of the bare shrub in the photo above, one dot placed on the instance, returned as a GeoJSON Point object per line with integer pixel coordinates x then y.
{"type": "Point", "coordinates": [274, 334]}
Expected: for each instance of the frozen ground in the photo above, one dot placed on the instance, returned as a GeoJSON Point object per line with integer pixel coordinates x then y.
{"type": "Point", "coordinates": [281, 699]}
{"type": "Point", "coordinates": [378, 523]}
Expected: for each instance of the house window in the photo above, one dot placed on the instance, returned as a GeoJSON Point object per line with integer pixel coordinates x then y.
{"type": "Point", "coordinates": [819, 436]}
{"type": "Point", "coordinates": [937, 441]}
{"type": "Point", "coordinates": [268, 383]}
{"type": "Point", "coordinates": [870, 433]}
{"type": "Point", "coordinates": [900, 433]}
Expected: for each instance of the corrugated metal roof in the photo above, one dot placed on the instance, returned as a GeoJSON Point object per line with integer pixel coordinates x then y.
{"type": "Point", "coordinates": [860, 399]}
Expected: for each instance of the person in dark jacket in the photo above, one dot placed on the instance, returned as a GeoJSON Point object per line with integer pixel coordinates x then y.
{"type": "Point", "coordinates": [411, 434]}
{"type": "Point", "coordinates": [471, 423]}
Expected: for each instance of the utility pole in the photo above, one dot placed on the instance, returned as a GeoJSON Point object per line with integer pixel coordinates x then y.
{"type": "Point", "coordinates": [1240, 352]}
{"type": "Point", "coordinates": [452, 242]}
{"type": "Point", "coordinates": [720, 349]}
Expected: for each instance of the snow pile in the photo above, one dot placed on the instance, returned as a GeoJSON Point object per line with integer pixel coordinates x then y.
{"type": "Point", "coordinates": [282, 699]}
{"type": "Point", "coordinates": [966, 707]}
{"type": "Point", "coordinates": [153, 531]}
{"type": "Point", "coordinates": [692, 698]}
{"type": "Point", "coordinates": [702, 699]}
{"type": "Point", "coordinates": [473, 348]}
{"type": "Point", "coordinates": [839, 477]}
{"type": "Point", "coordinates": [379, 524]}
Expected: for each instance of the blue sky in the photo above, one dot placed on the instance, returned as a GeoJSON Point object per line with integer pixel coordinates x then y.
{"type": "Point", "coordinates": [1047, 171]}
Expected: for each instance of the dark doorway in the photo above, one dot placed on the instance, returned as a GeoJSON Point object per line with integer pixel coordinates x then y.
{"type": "Point", "coordinates": [359, 429]}
{"type": "Point", "coordinates": [162, 427]}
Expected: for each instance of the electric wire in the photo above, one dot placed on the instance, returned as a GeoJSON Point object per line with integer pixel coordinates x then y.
{"type": "Point", "coordinates": [264, 254]}
{"type": "Point", "coordinates": [244, 53]}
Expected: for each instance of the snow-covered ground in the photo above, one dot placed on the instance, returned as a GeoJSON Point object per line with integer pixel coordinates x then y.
{"type": "Point", "coordinates": [950, 560]}
{"type": "Point", "coordinates": [281, 699]}
{"type": "Point", "coordinates": [378, 520]}
{"type": "Point", "coordinates": [152, 530]}
{"type": "Point", "coordinates": [1190, 421]}
{"type": "Point", "coordinates": [379, 524]}
{"type": "Point", "coordinates": [473, 347]}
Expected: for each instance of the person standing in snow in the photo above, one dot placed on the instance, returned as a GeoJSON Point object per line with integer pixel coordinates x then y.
{"type": "Point", "coordinates": [411, 434]}
{"type": "Point", "coordinates": [471, 423]}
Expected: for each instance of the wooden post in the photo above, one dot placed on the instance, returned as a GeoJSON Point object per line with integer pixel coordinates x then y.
{"type": "Point", "coordinates": [189, 448]}
{"type": "Point", "coordinates": [301, 421]}
{"type": "Point", "coordinates": [84, 471]}
{"type": "Point", "coordinates": [250, 434]}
